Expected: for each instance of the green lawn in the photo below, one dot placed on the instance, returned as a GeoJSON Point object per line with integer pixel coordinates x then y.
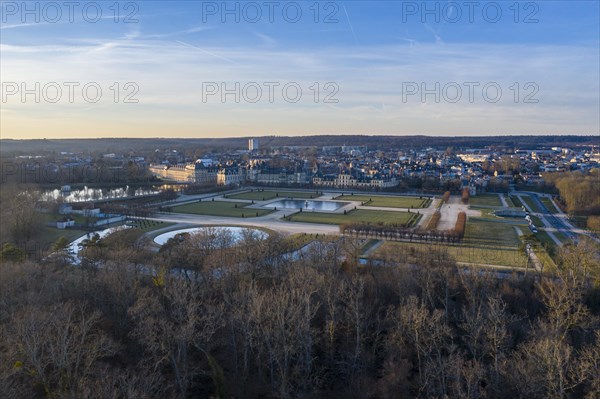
{"type": "Point", "coordinates": [485, 199]}
{"type": "Point", "coordinates": [488, 233]}
{"type": "Point", "coordinates": [544, 238]}
{"type": "Point", "coordinates": [356, 216]}
{"type": "Point", "coordinates": [548, 203]}
{"type": "Point", "coordinates": [532, 205]}
{"type": "Point", "coordinates": [561, 236]}
{"type": "Point", "coordinates": [515, 200]}
{"type": "Point", "coordinates": [388, 201]}
{"type": "Point", "coordinates": [501, 256]}
{"type": "Point", "coordinates": [268, 195]}
{"type": "Point", "coordinates": [49, 235]}
{"type": "Point", "coordinates": [296, 241]}
{"type": "Point", "coordinates": [537, 222]}
{"type": "Point", "coordinates": [220, 208]}
{"type": "Point", "coordinates": [509, 201]}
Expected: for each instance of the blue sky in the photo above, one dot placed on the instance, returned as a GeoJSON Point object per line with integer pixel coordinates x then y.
{"type": "Point", "coordinates": [543, 56]}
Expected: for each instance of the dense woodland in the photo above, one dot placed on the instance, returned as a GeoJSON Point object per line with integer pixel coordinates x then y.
{"type": "Point", "coordinates": [579, 192]}
{"type": "Point", "coordinates": [204, 319]}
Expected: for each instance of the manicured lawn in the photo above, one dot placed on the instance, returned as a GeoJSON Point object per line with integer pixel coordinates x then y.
{"type": "Point", "coordinates": [487, 233]}
{"type": "Point", "coordinates": [509, 201]}
{"type": "Point", "coordinates": [388, 201]}
{"type": "Point", "coordinates": [485, 199]}
{"type": "Point", "coordinates": [356, 216]}
{"type": "Point", "coordinates": [461, 253]}
{"type": "Point", "coordinates": [548, 204]}
{"type": "Point", "coordinates": [49, 235]}
{"type": "Point", "coordinates": [220, 208]}
{"type": "Point", "coordinates": [299, 240]}
{"type": "Point", "coordinates": [545, 239]}
{"type": "Point", "coordinates": [515, 200]}
{"type": "Point", "coordinates": [532, 205]}
{"type": "Point", "coordinates": [537, 222]}
{"type": "Point", "coordinates": [561, 236]}
{"type": "Point", "coordinates": [268, 195]}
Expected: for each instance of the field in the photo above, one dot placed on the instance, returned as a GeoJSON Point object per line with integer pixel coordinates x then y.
{"type": "Point", "coordinates": [491, 234]}
{"type": "Point", "coordinates": [268, 195]}
{"type": "Point", "coordinates": [537, 222]}
{"type": "Point", "coordinates": [509, 201]}
{"type": "Point", "coordinates": [220, 208]}
{"type": "Point", "coordinates": [531, 204]}
{"type": "Point", "coordinates": [388, 201]}
{"type": "Point", "coordinates": [356, 216]}
{"type": "Point", "coordinates": [485, 200]}
{"type": "Point", "coordinates": [299, 240]}
{"type": "Point", "coordinates": [461, 253]}
{"type": "Point", "coordinates": [548, 204]}
{"type": "Point", "coordinates": [49, 235]}
{"type": "Point", "coordinates": [516, 201]}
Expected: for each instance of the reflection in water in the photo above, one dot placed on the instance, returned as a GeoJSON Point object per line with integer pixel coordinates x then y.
{"type": "Point", "coordinates": [310, 205]}
{"type": "Point", "coordinates": [95, 194]}
{"type": "Point", "coordinates": [237, 233]}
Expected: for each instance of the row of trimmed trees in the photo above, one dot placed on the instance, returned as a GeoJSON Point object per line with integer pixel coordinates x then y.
{"type": "Point", "coordinates": [399, 233]}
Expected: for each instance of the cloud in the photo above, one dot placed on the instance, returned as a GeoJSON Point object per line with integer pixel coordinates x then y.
{"type": "Point", "coordinates": [170, 76]}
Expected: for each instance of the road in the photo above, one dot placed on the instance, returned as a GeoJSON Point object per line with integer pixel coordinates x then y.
{"type": "Point", "coordinates": [553, 223]}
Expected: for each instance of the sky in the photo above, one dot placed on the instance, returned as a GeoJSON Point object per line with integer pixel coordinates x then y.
{"type": "Point", "coordinates": [242, 68]}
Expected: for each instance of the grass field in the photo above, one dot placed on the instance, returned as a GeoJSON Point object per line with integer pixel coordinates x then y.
{"type": "Point", "coordinates": [494, 234]}
{"type": "Point", "coordinates": [388, 201]}
{"type": "Point", "coordinates": [461, 253]}
{"type": "Point", "coordinates": [532, 205]}
{"type": "Point", "coordinates": [49, 235]}
{"type": "Point", "coordinates": [515, 200]}
{"type": "Point", "coordinates": [356, 216]}
{"type": "Point", "coordinates": [561, 236]}
{"type": "Point", "coordinates": [537, 222]}
{"type": "Point", "coordinates": [509, 201]}
{"type": "Point", "coordinates": [486, 200]}
{"type": "Point", "coordinates": [548, 203]}
{"type": "Point", "coordinates": [299, 240]}
{"type": "Point", "coordinates": [268, 195]}
{"type": "Point", "coordinates": [220, 208]}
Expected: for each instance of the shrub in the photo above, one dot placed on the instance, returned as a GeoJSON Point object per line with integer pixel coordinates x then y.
{"type": "Point", "coordinates": [461, 223]}
{"type": "Point", "coordinates": [433, 222]}
{"type": "Point", "coordinates": [593, 223]}
{"type": "Point", "coordinates": [465, 195]}
{"type": "Point", "coordinates": [446, 197]}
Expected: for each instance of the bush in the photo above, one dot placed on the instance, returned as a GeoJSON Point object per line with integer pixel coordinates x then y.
{"type": "Point", "coordinates": [593, 223]}
{"type": "Point", "coordinates": [465, 195]}
{"type": "Point", "coordinates": [446, 197]}
{"type": "Point", "coordinates": [461, 223]}
{"type": "Point", "coordinates": [433, 222]}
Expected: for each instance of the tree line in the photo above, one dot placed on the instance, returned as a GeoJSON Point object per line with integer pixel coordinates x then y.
{"type": "Point", "coordinates": [211, 317]}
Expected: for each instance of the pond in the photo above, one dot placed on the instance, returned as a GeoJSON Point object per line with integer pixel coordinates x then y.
{"type": "Point", "coordinates": [307, 204]}
{"type": "Point", "coordinates": [237, 233]}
